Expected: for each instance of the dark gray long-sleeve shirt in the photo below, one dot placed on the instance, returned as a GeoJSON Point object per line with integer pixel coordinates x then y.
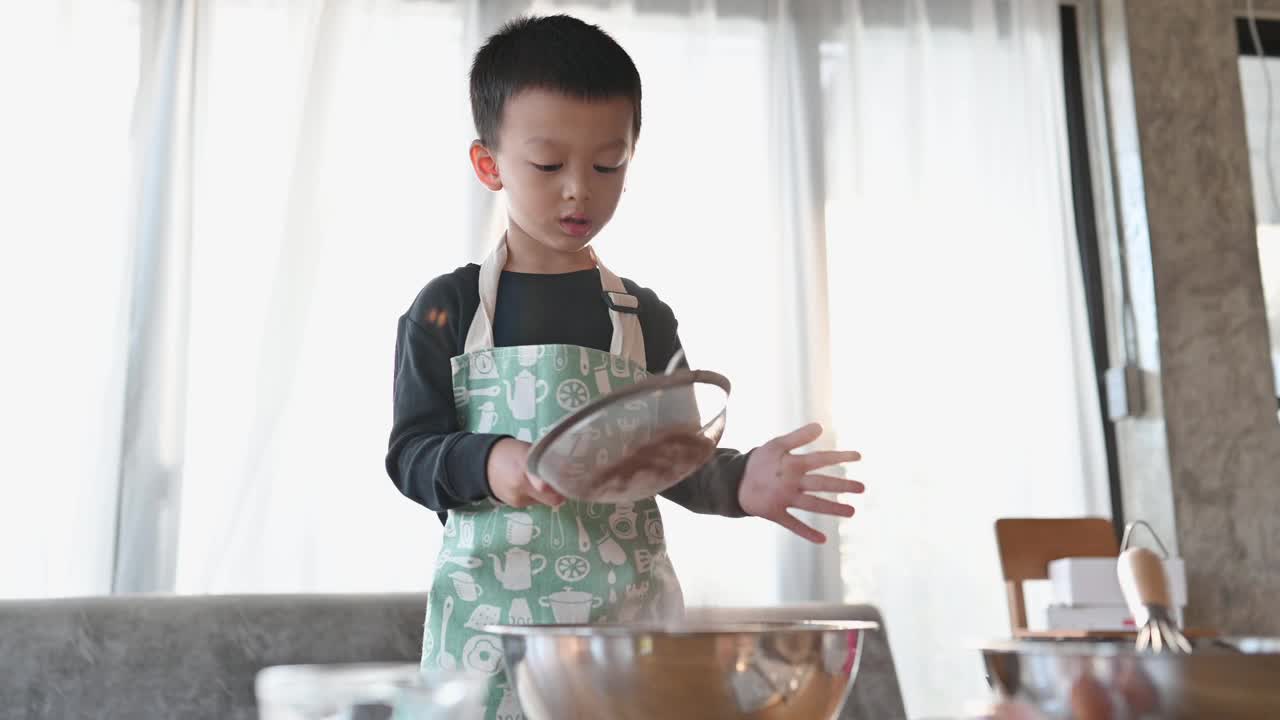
{"type": "Point", "coordinates": [433, 462]}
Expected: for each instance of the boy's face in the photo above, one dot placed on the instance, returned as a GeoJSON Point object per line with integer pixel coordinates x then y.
{"type": "Point", "coordinates": [563, 162]}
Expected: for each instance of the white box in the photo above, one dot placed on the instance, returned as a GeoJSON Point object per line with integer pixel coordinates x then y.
{"type": "Point", "coordinates": [1099, 617]}
{"type": "Point", "coordinates": [1092, 582]}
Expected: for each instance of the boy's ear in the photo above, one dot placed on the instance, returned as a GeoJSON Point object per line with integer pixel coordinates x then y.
{"type": "Point", "coordinates": [485, 166]}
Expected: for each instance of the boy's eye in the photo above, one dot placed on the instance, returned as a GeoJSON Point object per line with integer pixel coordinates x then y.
{"type": "Point", "coordinates": [605, 169]}
{"type": "Point", "coordinates": [548, 168]}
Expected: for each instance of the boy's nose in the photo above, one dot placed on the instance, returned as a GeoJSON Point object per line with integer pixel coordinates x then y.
{"type": "Point", "coordinates": [577, 187]}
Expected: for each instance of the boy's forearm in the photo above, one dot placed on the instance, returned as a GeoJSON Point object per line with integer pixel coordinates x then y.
{"type": "Point", "coordinates": [429, 458]}
{"type": "Point", "coordinates": [713, 488]}
{"type": "Point", "coordinates": [442, 471]}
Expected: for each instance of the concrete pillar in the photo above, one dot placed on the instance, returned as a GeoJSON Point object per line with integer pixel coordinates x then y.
{"type": "Point", "coordinates": [1191, 242]}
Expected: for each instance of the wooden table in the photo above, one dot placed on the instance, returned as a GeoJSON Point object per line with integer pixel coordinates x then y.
{"type": "Point", "coordinates": [1191, 633]}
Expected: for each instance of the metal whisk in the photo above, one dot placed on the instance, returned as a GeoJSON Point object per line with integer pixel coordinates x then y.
{"type": "Point", "coordinates": [1146, 590]}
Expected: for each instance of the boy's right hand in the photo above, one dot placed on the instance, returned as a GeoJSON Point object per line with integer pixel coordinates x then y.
{"type": "Point", "coordinates": [508, 480]}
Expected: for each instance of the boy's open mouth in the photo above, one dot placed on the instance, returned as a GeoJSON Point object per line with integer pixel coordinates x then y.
{"type": "Point", "coordinates": [576, 225]}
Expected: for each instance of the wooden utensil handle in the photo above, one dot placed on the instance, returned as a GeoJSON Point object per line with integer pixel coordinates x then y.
{"type": "Point", "coordinates": [1143, 580]}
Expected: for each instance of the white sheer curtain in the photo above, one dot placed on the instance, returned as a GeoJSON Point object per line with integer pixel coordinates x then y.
{"type": "Point", "coordinates": [1260, 88]}
{"type": "Point", "coordinates": [68, 76]}
{"type": "Point", "coordinates": [960, 340]}
{"type": "Point", "coordinates": [331, 183]}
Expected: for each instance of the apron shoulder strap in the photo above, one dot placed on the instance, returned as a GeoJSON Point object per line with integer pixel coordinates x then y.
{"type": "Point", "coordinates": [480, 334]}
{"type": "Point", "coordinates": [624, 313]}
{"type": "Point", "coordinates": [624, 308]}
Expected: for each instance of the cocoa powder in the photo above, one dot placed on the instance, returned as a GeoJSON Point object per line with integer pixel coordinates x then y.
{"type": "Point", "coordinates": [678, 452]}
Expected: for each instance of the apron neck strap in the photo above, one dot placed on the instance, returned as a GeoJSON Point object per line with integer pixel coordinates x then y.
{"type": "Point", "coordinates": [628, 339]}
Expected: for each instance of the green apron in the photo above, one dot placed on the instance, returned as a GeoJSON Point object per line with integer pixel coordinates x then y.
{"type": "Point", "coordinates": [580, 563]}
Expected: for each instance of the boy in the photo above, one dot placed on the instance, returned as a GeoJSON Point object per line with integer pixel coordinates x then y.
{"type": "Point", "coordinates": [489, 357]}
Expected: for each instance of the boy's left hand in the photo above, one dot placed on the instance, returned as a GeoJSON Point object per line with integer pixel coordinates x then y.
{"type": "Point", "coordinates": [776, 481]}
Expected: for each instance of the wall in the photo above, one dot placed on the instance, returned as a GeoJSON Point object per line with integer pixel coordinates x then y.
{"type": "Point", "coordinates": [1215, 393]}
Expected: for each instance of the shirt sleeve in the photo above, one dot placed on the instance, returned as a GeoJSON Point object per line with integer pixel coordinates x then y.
{"type": "Point", "coordinates": [430, 460]}
{"type": "Point", "coordinates": [713, 488]}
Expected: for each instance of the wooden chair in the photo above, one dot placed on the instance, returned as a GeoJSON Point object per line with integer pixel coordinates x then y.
{"type": "Point", "coordinates": [1027, 545]}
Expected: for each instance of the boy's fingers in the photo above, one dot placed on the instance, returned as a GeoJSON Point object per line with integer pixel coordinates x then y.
{"type": "Point", "coordinates": [827, 483]}
{"type": "Point", "coordinates": [818, 460]}
{"type": "Point", "coordinates": [799, 438]}
{"type": "Point", "coordinates": [539, 491]}
{"type": "Point", "coordinates": [790, 522]}
{"type": "Point", "coordinates": [823, 507]}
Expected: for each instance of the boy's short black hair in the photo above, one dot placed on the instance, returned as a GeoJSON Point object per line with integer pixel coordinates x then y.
{"type": "Point", "coordinates": [555, 52]}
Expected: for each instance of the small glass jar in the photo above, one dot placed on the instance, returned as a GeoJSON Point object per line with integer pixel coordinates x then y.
{"type": "Point", "coordinates": [366, 691]}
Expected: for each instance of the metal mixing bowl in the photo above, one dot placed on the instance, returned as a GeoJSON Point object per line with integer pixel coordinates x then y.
{"type": "Point", "coordinates": [711, 671]}
{"type": "Point", "coordinates": [1226, 678]}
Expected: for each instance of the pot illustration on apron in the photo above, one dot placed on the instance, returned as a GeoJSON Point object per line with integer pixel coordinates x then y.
{"type": "Point", "coordinates": [522, 566]}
